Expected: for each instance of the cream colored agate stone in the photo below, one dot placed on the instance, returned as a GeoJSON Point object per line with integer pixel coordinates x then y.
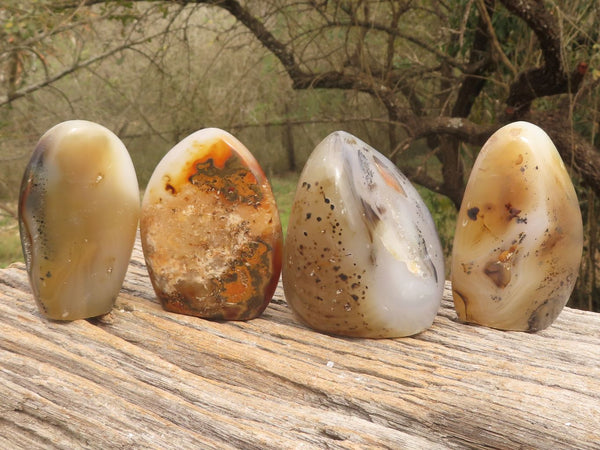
{"type": "Point", "coordinates": [362, 256]}
{"type": "Point", "coordinates": [519, 235]}
{"type": "Point", "coordinates": [78, 214]}
{"type": "Point", "coordinates": [210, 229]}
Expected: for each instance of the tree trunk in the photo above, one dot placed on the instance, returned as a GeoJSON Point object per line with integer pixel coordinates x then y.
{"type": "Point", "coordinates": [288, 140]}
{"type": "Point", "coordinates": [142, 377]}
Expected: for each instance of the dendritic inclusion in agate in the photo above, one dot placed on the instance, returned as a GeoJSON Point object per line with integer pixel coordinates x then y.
{"type": "Point", "coordinates": [210, 229]}
{"type": "Point", "coordinates": [362, 256]}
{"type": "Point", "coordinates": [519, 235]}
{"type": "Point", "coordinates": [78, 214]}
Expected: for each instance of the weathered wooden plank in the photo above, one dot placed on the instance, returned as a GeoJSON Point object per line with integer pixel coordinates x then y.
{"type": "Point", "coordinates": [145, 378]}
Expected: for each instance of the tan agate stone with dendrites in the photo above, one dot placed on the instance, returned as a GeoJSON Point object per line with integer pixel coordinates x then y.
{"type": "Point", "coordinates": [519, 235]}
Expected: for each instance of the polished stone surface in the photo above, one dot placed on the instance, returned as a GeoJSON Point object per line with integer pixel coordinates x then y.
{"type": "Point", "coordinates": [362, 256]}
{"type": "Point", "coordinates": [519, 235]}
{"type": "Point", "coordinates": [210, 229]}
{"type": "Point", "coordinates": [78, 214]}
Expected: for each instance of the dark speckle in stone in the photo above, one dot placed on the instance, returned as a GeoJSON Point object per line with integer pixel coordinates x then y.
{"type": "Point", "coordinates": [472, 213]}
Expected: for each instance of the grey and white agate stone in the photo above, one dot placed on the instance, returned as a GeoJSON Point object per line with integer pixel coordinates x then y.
{"type": "Point", "coordinates": [78, 214]}
{"type": "Point", "coordinates": [362, 256]}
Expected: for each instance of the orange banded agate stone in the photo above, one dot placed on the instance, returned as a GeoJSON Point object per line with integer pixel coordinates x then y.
{"type": "Point", "coordinates": [210, 229]}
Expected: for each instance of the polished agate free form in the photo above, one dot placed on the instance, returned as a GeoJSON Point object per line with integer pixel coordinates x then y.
{"type": "Point", "coordinates": [519, 234]}
{"type": "Point", "coordinates": [78, 214]}
{"type": "Point", "coordinates": [362, 255]}
{"type": "Point", "coordinates": [210, 229]}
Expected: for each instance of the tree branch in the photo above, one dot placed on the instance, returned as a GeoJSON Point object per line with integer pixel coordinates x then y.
{"type": "Point", "coordinates": [458, 127]}
{"type": "Point", "coordinates": [479, 55]}
{"type": "Point", "coordinates": [551, 78]}
{"type": "Point", "coordinates": [575, 150]}
{"type": "Point", "coordinates": [8, 210]}
{"type": "Point", "coordinates": [73, 68]}
{"type": "Point", "coordinates": [266, 38]}
{"type": "Point", "coordinates": [485, 8]}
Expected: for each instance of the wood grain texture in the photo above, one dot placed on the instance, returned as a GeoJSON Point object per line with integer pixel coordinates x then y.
{"type": "Point", "coordinates": [141, 377]}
